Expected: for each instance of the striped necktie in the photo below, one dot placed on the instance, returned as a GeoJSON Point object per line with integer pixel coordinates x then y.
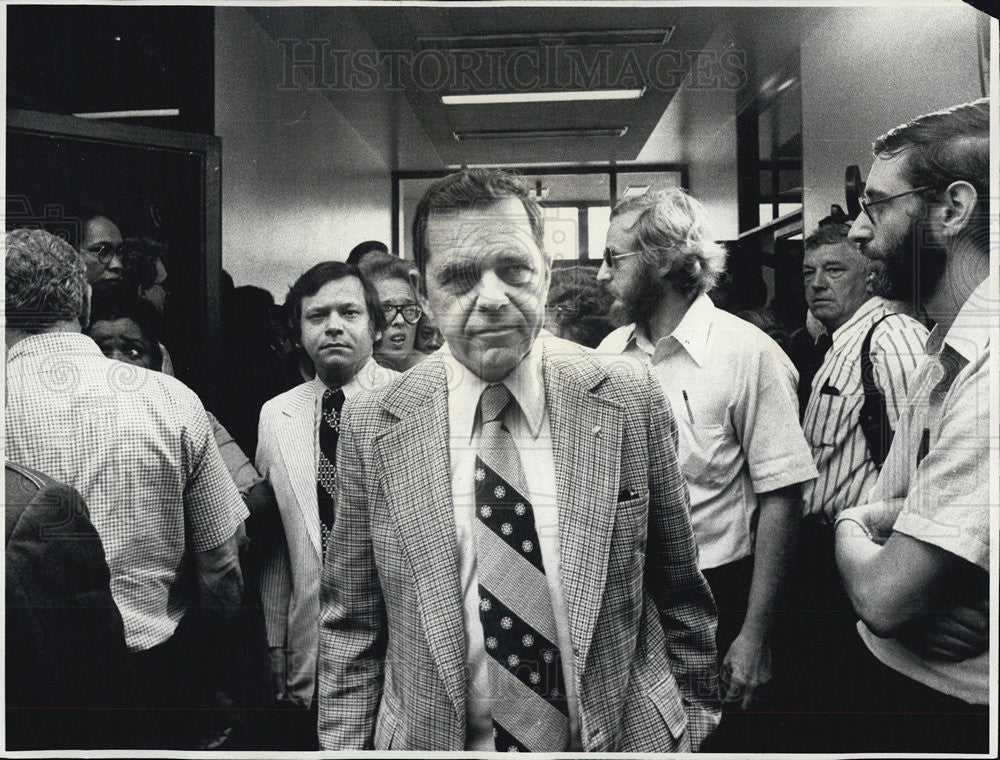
{"type": "Point", "coordinates": [326, 476]}
{"type": "Point", "coordinates": [528, 692]}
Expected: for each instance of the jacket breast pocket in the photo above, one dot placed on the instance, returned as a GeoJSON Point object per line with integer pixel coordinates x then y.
{"type": "Point", "coordinates": [631, 512]}
{"type": "Point", "coordinates": [698, 452]}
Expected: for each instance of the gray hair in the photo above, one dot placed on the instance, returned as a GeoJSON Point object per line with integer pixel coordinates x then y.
{"type": "Point", "coordinates": [46, 281]}
{"type": "Point", "coordinates": [672, 230]}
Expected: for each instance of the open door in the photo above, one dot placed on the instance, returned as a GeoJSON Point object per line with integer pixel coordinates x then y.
{"type": "Point", "coordinates": [150, 182]}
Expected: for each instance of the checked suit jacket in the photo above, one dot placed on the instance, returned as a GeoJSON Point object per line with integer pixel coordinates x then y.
{"type": "Point", "coordinates": [642, 619]}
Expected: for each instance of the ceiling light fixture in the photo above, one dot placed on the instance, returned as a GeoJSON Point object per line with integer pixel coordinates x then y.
{"type": "Point", "coordinates": [153, 112]}
{"type": "Point", "coordinates": [605, 37]}
{"type": "Point", "coordinates": [527, 134]}
{"type": "Point", "coordinates": [494, 98]}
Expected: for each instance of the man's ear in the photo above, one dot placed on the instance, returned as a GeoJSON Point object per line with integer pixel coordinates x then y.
{"type": "Point", "coordinates": [957, 210]}
{"type": "Point", "coordinates": [419, 285]}
{"type": "Point", "coordinates": [85, 309]}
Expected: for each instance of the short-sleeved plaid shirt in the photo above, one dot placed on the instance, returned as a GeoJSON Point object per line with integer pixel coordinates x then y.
{"type": "Point", "coordinates": [138, 446]}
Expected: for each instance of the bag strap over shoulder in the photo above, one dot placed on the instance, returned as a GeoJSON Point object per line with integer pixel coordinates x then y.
{"type": "Point", "coordinates": [874, 419]}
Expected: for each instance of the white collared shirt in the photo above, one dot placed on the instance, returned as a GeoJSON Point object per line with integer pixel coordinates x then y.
{"type": "Point", "coordinates": [732, 392]}
{"type": "Point", "coordinates": [940, 464]}
{"type": "Point", "coordinates": [529, 426]}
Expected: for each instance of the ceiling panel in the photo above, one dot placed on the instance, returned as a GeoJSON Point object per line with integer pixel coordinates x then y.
{"type": "Point", "coordinates": [501, 63]}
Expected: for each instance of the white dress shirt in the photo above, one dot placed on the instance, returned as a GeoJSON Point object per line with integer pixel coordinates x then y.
{"type": "Point", "coordinates": [939, 465]}
{"type": "Point", "coordinates": [732, 392]}
{"type": "Point", "coordinates": [528, 422]}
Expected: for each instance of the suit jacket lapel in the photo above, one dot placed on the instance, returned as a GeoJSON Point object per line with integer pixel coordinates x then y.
{"type": "Point", "coordinates": [586, 438]}
{"type": "Point", "coordinates": [297, 442]}
{"type": "Point", "coordinates": [414, 468]}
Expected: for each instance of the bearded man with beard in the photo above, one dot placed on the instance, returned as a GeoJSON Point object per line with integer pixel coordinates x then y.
{"type": "Point", "coordinates": [915, 558]}
{"type": "Point", "coordinates": [733, 392]}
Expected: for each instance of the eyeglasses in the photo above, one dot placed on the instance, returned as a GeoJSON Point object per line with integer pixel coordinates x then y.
{"type": "Point", "coordinates": [610, 257]}
{"type": "Point", "coordinates": [410, 311]}
{"type": "Point", "coordinates": [563, 314]}
{"type": "Point", "coordinates": [867, 204]}
{"type": "Point", "coordinates": [103, 251]}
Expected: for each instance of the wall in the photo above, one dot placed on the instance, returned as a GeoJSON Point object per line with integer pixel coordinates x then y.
{"type": "Point", "coordinates": [699, 127]}
{"type": "Point", "coordinates": [300, 184]}
{"type": "Point", "coordinates": [865, 70]}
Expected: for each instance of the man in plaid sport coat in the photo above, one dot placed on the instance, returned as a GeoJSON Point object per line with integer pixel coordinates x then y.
{"type": "Point", "coordinates": [398, 646]}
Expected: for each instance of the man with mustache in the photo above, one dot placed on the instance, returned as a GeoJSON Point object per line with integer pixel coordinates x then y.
{"type": "Point", "coordinates": [732, 390]}
{"type": "Point", "coordinates": [915, 557]}
{"type": "Point", "coordinates": [335, 316]}
{"type": "Point", "coordinates": [512, 567]}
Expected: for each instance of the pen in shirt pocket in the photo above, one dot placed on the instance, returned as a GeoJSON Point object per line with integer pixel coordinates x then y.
{"type": "Point", "coordinates": [687, 404]}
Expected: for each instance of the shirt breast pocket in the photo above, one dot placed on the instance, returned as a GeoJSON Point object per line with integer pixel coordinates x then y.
{"type": "Point", "coordinates": [835, 417]}
{"type": "Point", "coordinates": [699, 453]}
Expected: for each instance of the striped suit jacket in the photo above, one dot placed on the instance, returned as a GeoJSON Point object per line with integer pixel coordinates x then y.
{"type": "Point", "coordinates": [642, 619]}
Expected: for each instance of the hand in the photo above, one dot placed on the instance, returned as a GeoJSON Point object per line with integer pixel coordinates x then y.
{"type": "Point", "coordinates": [277, 671]}
{"type": "Point", "coordinates": [746, 669]}
{"type": "Point", "coordinates": [879, 517]}
{"type": "Point", "coordinates": [958, 634]}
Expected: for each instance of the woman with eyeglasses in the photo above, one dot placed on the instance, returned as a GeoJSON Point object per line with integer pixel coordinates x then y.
{"type": "Point", "coordinates": [390, 276]}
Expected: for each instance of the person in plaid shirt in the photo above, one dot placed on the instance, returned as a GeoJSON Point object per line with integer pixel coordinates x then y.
{"type": "Point", "coordinates": [138, 446]}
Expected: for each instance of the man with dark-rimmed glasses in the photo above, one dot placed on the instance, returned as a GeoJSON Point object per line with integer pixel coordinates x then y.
{"type": "Point", "coordinates": [915, 557]}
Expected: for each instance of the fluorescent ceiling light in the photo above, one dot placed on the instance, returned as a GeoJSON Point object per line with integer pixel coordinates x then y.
{"type": "Point", "coordinates": [527, 134]}
{"type": "Point", "coordinates": [534, 39]}
{"type": "Point", "coordinates": [493, 98]}
{"type": "Point", "coordinates": [129, 114]}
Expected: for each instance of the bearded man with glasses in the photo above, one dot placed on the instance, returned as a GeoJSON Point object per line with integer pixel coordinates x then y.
{"type": "Point", "coordinates": [742, 452]}
{"type": "Point", "coordinates": [915, 556]}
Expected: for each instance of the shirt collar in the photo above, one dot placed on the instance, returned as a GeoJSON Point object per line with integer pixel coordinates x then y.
{"type": "Point", "coordinates": [371, 375]}
{"type": "Point", "coordinates": [969, 334]}
{"type": "Point", "coordinates": [861, 313]}
{"type": "Point", "coordinates": [619, 340]}
{"type": "Point", "coordinates": [691, 332]}
{"type": "Point", "coordinates": [48, 343]}
{"type": "Point", "coordinates": [525, 383]}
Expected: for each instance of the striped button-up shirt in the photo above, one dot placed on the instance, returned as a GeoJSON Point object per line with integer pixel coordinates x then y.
{"type": "Point", "coordinates": [137, 444]}
{"type": "Point", "coordinates": [832, 420]}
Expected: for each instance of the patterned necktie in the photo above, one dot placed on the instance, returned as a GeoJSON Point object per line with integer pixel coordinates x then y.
{"type": "Point", "coordinates": [326, 478]}
{"type": "Point", "coordinates": [528, 692]}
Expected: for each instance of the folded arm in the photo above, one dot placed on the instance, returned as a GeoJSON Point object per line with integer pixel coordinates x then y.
{"type": "Point", "coordinates": [907, 589]}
